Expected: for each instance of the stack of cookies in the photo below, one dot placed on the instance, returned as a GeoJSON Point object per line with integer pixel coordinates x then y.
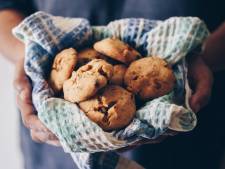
{"type": "Point", "coordinates": [105, 80]}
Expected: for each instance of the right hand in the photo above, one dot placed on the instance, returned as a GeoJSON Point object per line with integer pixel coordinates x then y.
{"type": "Point", "coordinates": [201, 81]}
{"type": "Point", "coordinates": [38, 131]}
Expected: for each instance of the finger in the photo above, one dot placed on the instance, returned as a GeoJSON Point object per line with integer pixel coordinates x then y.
{"type": "Point", "coordinates": [24, 101]}
{"type": "Point", "coordinates": [201, 96]}
{"type": "Point", "coordinates": [54, 143]}
{"type": "Point", "coordinates": [203, 79]}
{"type": "Point", "coordinates": [43, 137]}
{"type": "Point", "coordinates": [29, 118]}
{"type": "Point", "coordinates": [21, 82]}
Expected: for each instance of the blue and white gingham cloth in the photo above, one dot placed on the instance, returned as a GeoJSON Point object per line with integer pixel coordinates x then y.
{"type": "Point", "coordinates": [45, 35]}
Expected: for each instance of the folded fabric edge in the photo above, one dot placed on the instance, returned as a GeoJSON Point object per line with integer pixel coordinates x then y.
{"type": "Point", "coordinates": [182, 119]}
{"type": "Point", "coordinates": [44, 116]}
{"type": "Point", "coordinates": [17, 31]}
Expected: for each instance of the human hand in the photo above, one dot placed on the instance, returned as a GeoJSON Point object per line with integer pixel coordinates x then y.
{"type": "Point", "coordinates": [38, 131]}
{"type": "Point", "coordinates": [201, 82]}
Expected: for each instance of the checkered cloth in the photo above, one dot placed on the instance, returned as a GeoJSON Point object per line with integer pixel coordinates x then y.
{"type": "Point", "coordinates": [45, 35]}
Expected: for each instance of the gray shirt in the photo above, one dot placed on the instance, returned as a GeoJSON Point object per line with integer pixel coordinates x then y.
{"type": "Point", "coordinates": [102, 11]}
{"type": "Point", "coordinates": [200, 150]}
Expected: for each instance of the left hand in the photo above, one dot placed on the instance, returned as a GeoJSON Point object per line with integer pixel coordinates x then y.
{"type": "Point", "coordinates": [201, 82]}
{"type": "Point", "coordinates": [39, 133]}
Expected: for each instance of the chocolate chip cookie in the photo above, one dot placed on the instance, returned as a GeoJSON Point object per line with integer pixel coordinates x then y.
{"type": "Point", "coordinates": [113, 109]}
{"type": "Point", "coordinates": [149, 78]}
{"type": "Point", "coordinates": [87, 55]}
{"type": "Point", "coordinates": [62, 68]}
{"type": "Point", "coordinates": [118, 74]}
{"type": "Point", "coordinates": [116, 49]}
{"type": "Point", "coordinates": [87, 80]}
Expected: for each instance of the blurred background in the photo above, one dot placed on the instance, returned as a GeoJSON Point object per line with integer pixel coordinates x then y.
{"type": "Point", "coordinates": [10, 155]}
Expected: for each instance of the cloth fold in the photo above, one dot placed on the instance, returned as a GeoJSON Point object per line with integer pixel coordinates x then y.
{"type": "Point", "coordinates": [45, 35]}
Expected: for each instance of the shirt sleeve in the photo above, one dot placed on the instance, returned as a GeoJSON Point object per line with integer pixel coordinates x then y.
{"type": "Point", "coordinates": [24, 6]}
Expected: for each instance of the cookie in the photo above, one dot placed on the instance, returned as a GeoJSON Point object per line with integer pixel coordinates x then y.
{"type": "Point", "coordinates": [113, 109]}
{"type": "Point", "coordinates": [87, 80]}
{"type": "Point", "coordinates": [118, 74]}
{"type": "Point", "coordinates": [62, 68]}
{"type": "Point", "coordinates": [149, 78]}
{"type": "Point", "coordinates": [87, 55]}
{"type": "Point", "coordinates": [117, 50]}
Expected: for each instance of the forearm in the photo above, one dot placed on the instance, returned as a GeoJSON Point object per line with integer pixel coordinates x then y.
{"type": "Point", "coordinates": [214, 49]}
{"type": "Point", "coordinates": [10, 47]}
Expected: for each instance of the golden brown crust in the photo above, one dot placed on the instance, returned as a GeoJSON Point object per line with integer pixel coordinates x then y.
{"type": "Point", "coordinates": [118, 74]}
{"type": "Point", "coordinates": [62, 68]}
{"type": "Point", "coordinates": [113, 109]}
{"type": "Point", "coordinates": [87, 55]}
{"type": "Point", "coordinates": [116, 49]}
{"type": "Point", "coordinates": [87, 80]}
{"type": "Point", "coordinates": [149, 77]}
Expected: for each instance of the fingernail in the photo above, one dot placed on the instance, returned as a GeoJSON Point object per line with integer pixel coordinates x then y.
{"type": "Point", "coordinates": [54, 143]}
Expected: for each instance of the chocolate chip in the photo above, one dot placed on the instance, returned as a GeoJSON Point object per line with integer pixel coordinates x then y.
{"type": "Point", "coordinates": [97, 84]}
{"type": "Point", "coordinates": [103, 109]}
{"type": "Point", "coordinates": [135, 77]}
{"type": "Point", "coordinates": [111, 104]}
{"type": "Point", "coordinates": [157, 85]}
{"type": "Point", "coordinates": [85, 60]}
{"type": "Point", "coordinates": [105, 119]}
{"type": "Point", "coordinates": [102, 72]}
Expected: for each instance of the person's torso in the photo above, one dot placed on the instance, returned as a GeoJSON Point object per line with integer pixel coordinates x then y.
{"type": "Point", "coordinates": [211, 119]}
{"type": "Point", "coordinates": [101, 12]}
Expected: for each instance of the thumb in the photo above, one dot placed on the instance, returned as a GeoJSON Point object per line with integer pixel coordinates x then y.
{"type": "Point", "coordinates": [201, 95]}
